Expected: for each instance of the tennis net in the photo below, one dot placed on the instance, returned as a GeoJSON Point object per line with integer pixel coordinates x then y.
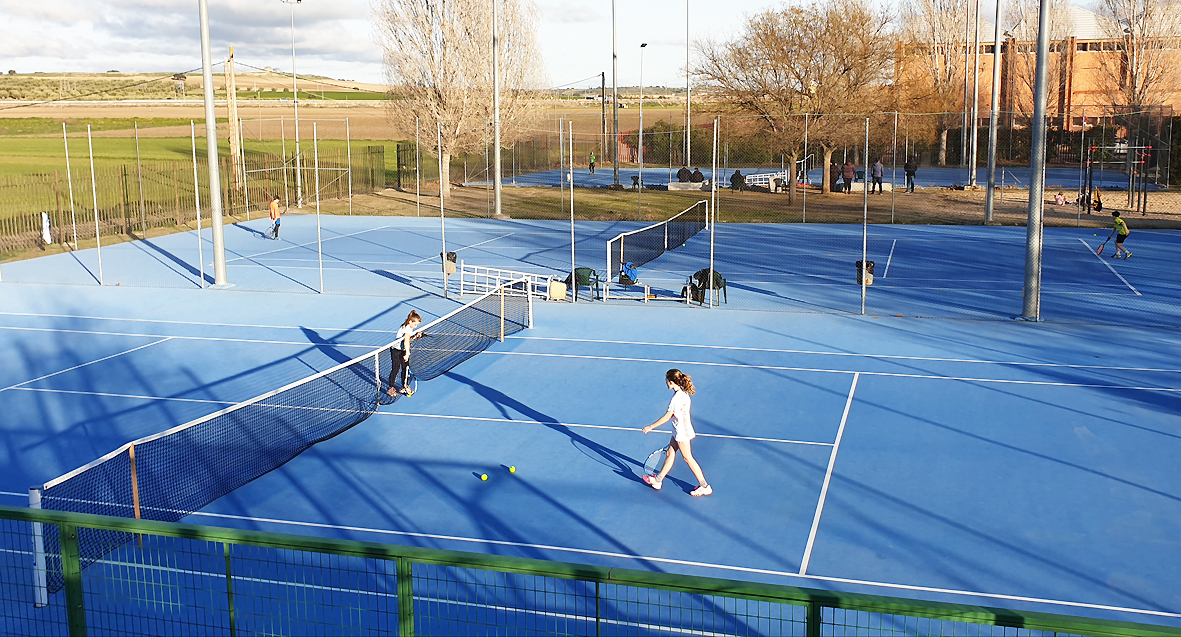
{"type": "Point", "coordinates": [169, 475]}
{"type": "Point", "coordinates": [641, 246]}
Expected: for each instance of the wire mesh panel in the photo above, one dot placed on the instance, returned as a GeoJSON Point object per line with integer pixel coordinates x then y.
{"type": "Point", "coordinates": [632, 610]}
{"type": "Point", "coordinates": [25, 607]}
{"type": "Point", "coordinates": [174, 579]}
{"type": "Point", "coordinates": [468, 601]}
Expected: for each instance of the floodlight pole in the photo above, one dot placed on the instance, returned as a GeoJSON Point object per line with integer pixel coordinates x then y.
{"type": "Point", "coordinates": [496, 185]}
{"type": "Point", "coordinates": [295, 99]}
{"type": "Point", "coordinates": [974, 145]}
{"type": "Point", "coordinates": [994, 116]}
{"type": "Point", "coordinates": [1032, 293]}
{"type": "Point", "coordinates": [219, 245]}
{"type": "Point", "coordinates": [614, 93]}
{"type": "Point", "coordinates": [688, 89]}
{"type": "Point", "coordinates": [640, 141]}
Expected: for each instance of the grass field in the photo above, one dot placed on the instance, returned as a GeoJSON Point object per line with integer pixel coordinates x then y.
{"type": "Point", "coordinates": [39, 155]}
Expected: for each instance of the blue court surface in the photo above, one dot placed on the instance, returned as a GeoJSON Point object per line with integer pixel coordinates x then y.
{"type": "Point", "coordinates": [993, 462]}
{"type": "Point", "coordinates": [1065, 178]}
{"type": "Point", "coordinates": [921, 271]}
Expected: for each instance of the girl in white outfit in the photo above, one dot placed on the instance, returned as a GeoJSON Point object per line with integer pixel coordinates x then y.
{"type": "Point", "coordinates": [678, 413]}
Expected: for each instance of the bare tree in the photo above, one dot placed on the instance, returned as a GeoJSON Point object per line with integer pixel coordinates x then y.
{"type": "Point", "coordinates": [1143, 71]}
{"type": "Point", "coordinates": [931, 77]}
{"type": "Point", "coordinates": [1024, 14]}
{"type": "Point", "coordinates": [823, 59]}
{"type": "Point", "coordinates": [438, 63]}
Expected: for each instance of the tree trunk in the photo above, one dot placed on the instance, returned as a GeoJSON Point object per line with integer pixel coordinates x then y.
{"type": "Point", "coordinates": [943, 147]}
{"type": "Point", "coordinates": [826, 179]}
{"type": "Point", "coordinates": [792, 177]}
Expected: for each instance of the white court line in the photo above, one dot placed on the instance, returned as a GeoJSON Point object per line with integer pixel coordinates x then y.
{"type": "Point", "coordinates": [581, 426]}
{"type": "Point", "coordinates": [105, 358]}
{"type": "Point", "coordinates": [889, 258]}
{"type": "Point", "coordinates": [839, 371]}
{"type": "Point", "coordinates": [707, 565]}
{"type": "Point", "coordinates": [76, 392]}
{"type": "Point", "coordinates": [1104, 262]}
{"type": "Point", "coordinates": [849, 354]}
{"type": "Point", "coordinates": [832, 460]}
{"type": "Point", "coordinates": [181, 338]}
{"type": "Point", "coordinates": [466, 247]}
{"type": "Point", "coordinates": [201, 323]}
{"type": "Point", "coordinates": [309, 243]}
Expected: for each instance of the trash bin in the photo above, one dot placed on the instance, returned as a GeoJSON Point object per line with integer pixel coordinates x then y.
{"type": "Point", "coordinates": [868, 272]}
{"type": "Point", "coordinates": [449, 262]}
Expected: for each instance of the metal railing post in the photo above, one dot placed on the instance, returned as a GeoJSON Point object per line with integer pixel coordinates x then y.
{"type": "Point", "coordinates": [405, 570]}
{"type": "Point", "coordinates": [72, 574]}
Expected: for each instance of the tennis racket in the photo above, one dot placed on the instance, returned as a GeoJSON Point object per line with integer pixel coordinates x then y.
{"type": "Point", "coordinates": [655, 461]}
{"type": "Point", "coordinates": [1101, 245]}
{"type": "Point", "coordinates": [411, 384]}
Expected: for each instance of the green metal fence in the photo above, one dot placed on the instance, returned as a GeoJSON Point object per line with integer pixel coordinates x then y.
{"type": "Point", "coordinates": [162, 579]}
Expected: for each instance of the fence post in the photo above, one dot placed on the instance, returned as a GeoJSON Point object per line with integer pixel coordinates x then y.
{"type": "Point", "coordinates": [230, 591]}
{"type": "Point", "coordinates": [405, 597]}
{"type": "Point", "coordinates": [813, 625]}
{"type": "Point", "coordinates": [72, 573]}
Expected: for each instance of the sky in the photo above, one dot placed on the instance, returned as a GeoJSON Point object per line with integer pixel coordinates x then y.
{"type": "Point", "coordinates": [336, 38]}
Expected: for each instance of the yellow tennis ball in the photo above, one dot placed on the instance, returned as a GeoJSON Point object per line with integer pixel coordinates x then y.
{"type": "Point", "coordinates": [483, 476]}
{"type": "Point", "coordinates": [512, 469]}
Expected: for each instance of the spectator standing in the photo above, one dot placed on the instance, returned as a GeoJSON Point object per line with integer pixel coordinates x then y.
{"type": "Point", "coordinates": [834, 176]}
{"type": "Point", "coordinates": [697, 177]}
{"type": "Point", "coordinates": [877, 171]}
{"type": "Point", "coordinates": [848, 172]}
{"type": "Point", "coordinates": [684, 176]}
{"type": "Point", "coordinates": [910, 167]}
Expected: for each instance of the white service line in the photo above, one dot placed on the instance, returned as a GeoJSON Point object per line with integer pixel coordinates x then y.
{"type": "Point", "coordinates": [183, 338]}
{"type": "Point", "coordinates": [466, 247]}
{"type": "Point", "coordinates": [304, 245]}
{"type": "Point", "coordinates": [882, 356]}
{"type": "Point", "coordinates": [889, 259]}
{"type": "Point", "coordinates": [708, 565]}
{"type": "Point", "coordinates": [608, 427]}
{"type": "Point", "coordinates": [202, 323]}
{"type": "Point", "coordinates": [838, 371]}
{"type": "Point", "coordinates": [1117, 274]}
{"type": "Point", "coordinates": [832, 460]}
{"type": "Point", "coordinates": [105, 358]}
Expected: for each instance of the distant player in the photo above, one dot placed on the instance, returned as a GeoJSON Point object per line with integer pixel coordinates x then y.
{"type": "Point", "coordinates": [400, 354]}
{"type": "Point", "coordinates": [678, 413]}
{"type": "Point", "coordinates": [592, 164]}
{"type": "Point", "coordinates": [1121, 232]}
{"type": "Point", "coordinates": [275, 214]}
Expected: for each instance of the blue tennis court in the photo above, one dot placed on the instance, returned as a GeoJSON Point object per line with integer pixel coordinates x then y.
{"type": "Point", "coordinates": [994, 462]}
{"type": "Point", "coordinates": [1067, 179]}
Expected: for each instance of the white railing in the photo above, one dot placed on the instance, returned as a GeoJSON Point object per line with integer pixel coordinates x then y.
{"type": "Point", "coordinates": [477, 279]}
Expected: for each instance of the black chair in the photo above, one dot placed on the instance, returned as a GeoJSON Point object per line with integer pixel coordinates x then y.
{"type": "Point", "coordinates": [701, 280]}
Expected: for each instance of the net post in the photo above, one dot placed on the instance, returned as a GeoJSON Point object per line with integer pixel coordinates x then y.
{"type": "Point", "coordinates": [502, 313]}
{"type": "Point", "coordinates": [377, 370]}
{"type": "Point", "coordinates": [72, 574]}
{"type": "Point", "coordinates": [40, 587]}
{"type": "Point", "coordinates": [405, 573]}
{"type": "Point", "coordinates": [529, 294]}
